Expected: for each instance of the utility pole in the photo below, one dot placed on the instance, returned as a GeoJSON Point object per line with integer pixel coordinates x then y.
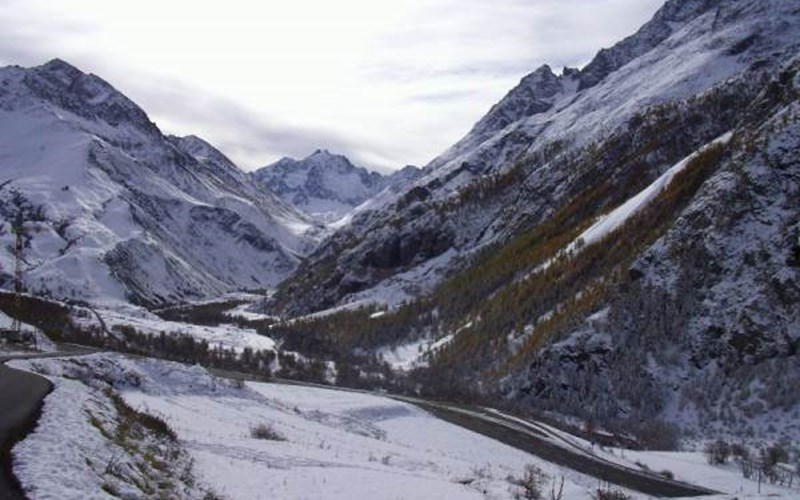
{"type": "Point", "coordinates": [16, 325]}
{"type": "Point", "coordinates": [19, 245]}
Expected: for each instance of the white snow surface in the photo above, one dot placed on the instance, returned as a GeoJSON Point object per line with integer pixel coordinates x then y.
{"type": "Point", "coordinates": [336, 444]}
{"type": "Point", "coordinates": [413, 354]}
{"type": "Point", "coordinates": [50, 463]}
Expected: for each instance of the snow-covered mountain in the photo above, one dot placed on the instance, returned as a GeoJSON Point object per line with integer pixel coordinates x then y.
{"type": "Point", "coordinates": [621, 238]}
{"type": "Point", "coordinates": [124, 212]}
{"type": "Point", "coordinates": [327, 186]}
{"type": "Point", "coordinates": [514, 157]}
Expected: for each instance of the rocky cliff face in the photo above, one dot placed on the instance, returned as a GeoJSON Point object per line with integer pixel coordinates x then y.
{"type": "Point", "coordinates": [127, 212]}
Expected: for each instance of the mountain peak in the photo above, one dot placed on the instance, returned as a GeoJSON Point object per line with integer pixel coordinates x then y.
{"type": "Point", "coordinates": [58, 65]}
{"type": "Point", "coordinates": [323, 157]}
{"type": "Point", "coordinates": [325, 185]}
{"type": "Point", "coordinates": [535, 93]}
{"type": "Point", "coordinates": [84, 94]}
{"type": "Point", "coordinates": [655, 31]}
{"type": "Point", "coordinates": [543, 71]}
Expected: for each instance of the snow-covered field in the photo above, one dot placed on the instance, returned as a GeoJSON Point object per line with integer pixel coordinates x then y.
{"type": "Point", "coordinates": [337, 444]}
{"type": "Point", "coordinates": [333, 444]}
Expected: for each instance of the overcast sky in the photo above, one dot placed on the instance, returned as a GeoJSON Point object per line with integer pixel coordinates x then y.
{"type": "Point", "coordinates": [386, 83]}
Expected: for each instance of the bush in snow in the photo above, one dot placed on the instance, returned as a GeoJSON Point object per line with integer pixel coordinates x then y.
{"type": "Point", "coordinates": [740, 451]}
{"type": "Point", "coordinates": [717, 452]}
{"type": "Point", "coordinates": [266, 431]}
{"type": "Point", "coordinates": [532, 483]}
{"type": "Point", "coordinates": [608, 493]}
{"type": "Point", "coordinates": [773, 455]}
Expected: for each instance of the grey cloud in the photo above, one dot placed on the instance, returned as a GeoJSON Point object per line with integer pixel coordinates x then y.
{"type": "Point", "coordinates": [478, 50]}
{"type": "Point", "coordinates": [250, 139]}
{"type": "Point", "coordinates": [443, 96]}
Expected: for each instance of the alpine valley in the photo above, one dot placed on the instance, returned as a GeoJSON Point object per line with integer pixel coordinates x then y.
{"type": "Point", "coordinates": [614, 247]}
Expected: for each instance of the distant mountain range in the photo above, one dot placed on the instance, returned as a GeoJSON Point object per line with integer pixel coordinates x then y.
{"type": "Point", "coordinates": [327, 186]}
{"type": "Point", "coordinates": [130, 214]}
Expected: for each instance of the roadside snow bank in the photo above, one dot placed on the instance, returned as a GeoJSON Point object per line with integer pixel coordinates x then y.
{"type": "Point", "coordinates": [89, 444]}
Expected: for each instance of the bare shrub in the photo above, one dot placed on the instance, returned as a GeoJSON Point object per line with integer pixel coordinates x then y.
{"type": "Point", "coordinates": [740, 451]}
{"type": "Point", "coordinates": [530, 485]}
{"type": "Point", "coordinates": [557, 494]}
{"type": "Point", "coordinates": [717, 452]}
{"type": "Point", "coordinates": [265, 431]}
{"type": "Point", "coordinates": [775, 454]}
{"type": "Point", "coordinates": [609, 493]}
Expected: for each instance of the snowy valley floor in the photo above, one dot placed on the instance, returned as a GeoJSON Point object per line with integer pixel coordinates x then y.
{"type": "Point", "coordinates": [331, 444]}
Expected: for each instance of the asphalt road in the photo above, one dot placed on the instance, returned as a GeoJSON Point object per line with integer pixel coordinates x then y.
{"type": "Point", "coordinates": [21, 397]}
{"type": "Point", "coordinates": [528, 439]}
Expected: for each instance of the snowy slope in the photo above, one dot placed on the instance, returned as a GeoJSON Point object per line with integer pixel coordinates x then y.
{"type": "Point", "coordinates": [130, 214]}
{"type": "Point", "coordinates": [607, 224]}
{"type": "Point", "coordinates": [327, 186]}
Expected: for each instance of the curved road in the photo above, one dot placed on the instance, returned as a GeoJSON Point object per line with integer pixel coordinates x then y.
{"type": "Point", "coordinates": [528, 437]}
{"type": "Point", "coordinates": [21, 397]}
{"type": "Point", "coordinates": [515, 433]}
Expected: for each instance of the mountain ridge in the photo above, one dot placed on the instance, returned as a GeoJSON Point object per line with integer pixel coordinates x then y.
{"type": "Point", "coordinates": [125, 207]}
{"type": "Point", "coordinates": [701, 52]}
